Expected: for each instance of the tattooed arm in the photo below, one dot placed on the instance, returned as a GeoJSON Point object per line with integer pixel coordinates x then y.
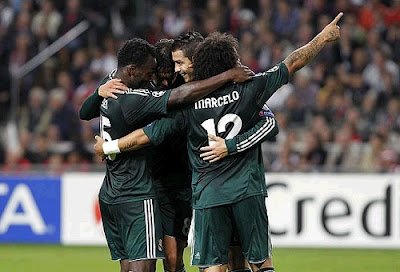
{"type": "Point", "coordinates": [300, 57]}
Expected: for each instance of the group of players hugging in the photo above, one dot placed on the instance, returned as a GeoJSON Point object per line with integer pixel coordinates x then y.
{"type": "Point", "coordinates": [181, 126]}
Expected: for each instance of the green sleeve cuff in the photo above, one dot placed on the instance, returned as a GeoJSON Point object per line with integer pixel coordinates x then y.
{"type": "Point", "coordinates": [231, 145]}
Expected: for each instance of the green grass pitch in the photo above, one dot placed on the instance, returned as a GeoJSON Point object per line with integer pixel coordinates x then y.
{"type": "Point", "coordinates": [48, 258]}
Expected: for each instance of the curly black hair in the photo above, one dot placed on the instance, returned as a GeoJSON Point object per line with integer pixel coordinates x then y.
{"type": "Point", "coordinates": [218, 53]}
{"type": "Point", "coordinates": [187, 43]}
{"type": "Point", "coordinates": [135, 51]}
{"type": "Point", "coordinates": [163, 49]}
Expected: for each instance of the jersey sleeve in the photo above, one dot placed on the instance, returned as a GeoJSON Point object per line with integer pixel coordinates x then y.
{"type": "Point", "coordinates": [270, 81]}
{"type": "Point", "coordinates": [90, 108]}
{"type": "Point", "coordinates": [266, 128]}
{"type": "Point", "coordinates": [158, 130]}
{"type": "Point", "coordinates": [142, 104]}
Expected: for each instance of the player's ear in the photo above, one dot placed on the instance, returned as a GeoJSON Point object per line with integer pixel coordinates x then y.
{"type": "Point", "coordinates": [131, 69]}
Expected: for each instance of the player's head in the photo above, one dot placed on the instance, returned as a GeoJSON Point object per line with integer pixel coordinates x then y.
{"type": "Point", "coordinates": [218, 53]}
{"type": "Point", "coordinates": [136, 60]}
{"type": "Point", "coordinates": [183, 50]}
{"type": "Point", "coordinates": [165, 74]}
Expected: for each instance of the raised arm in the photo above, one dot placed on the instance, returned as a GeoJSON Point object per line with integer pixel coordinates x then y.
{"type": "Point", "coordinates": [303, 55]}
{"type": "Point", "coordinates": [265, 129]}
{"type": "Point", "coordinates": [193, 91]}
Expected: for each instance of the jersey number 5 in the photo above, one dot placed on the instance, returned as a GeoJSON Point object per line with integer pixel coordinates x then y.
{"type": "Point", "coordinates": [105, 123]}
{"type": "Point", "coordinates": [209, 126]}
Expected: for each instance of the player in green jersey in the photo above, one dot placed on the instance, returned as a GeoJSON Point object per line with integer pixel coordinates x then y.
{"type": "Point", "coordinates": [227, 191]}
{"type": "Point", "coordinates": [127, 198]}
{"type": "Point", "coordinates": [182, 54]}
{"type": "Point", "coordinates": [173, 192]}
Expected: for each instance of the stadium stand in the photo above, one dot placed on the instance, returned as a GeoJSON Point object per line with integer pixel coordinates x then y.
{"type": "Point", "coordinates": [340, 114]}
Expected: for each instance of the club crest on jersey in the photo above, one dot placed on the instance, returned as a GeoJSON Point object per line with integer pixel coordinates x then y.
{"type": "Point", "coordinates": [158, 93]}
{"type": "Point", "coordinates": [104, 104]}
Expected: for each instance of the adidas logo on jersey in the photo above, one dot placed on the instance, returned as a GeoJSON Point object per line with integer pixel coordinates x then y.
{"type": "Point", "coordinates": [197, 256]}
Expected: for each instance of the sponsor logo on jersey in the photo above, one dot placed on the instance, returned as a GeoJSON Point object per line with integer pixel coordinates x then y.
{"type": "Point", "coordinates": [215, 102]}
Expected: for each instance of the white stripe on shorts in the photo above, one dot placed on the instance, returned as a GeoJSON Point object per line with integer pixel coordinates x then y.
{"type": "Point", "coordinates": [150, 231]}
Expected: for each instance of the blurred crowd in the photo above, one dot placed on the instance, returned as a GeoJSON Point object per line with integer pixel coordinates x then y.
{"type": "Point", "coordinates": [341, 113]}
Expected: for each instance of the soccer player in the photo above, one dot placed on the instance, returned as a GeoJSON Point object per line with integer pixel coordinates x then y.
{"type": "Point", "coordinates": [225, 192]}
{"type": "Point", "coordinates": [127, 199]}
{"type": "Point", "coordinates": [169, 166]}
{"type": "Point", "coordinates": [183, 50]}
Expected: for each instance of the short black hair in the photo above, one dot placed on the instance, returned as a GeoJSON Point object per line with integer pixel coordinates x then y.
{"type": "Point", "coordinates": [218, 53]}
{"type": "Point", "coordinates": [163, 49]}
{"type": "Point", "coordinates": [135, 51]}
{"type": "Point", "coordinates": [187, 43]}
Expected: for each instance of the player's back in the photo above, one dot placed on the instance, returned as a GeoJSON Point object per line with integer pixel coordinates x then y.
{"type": "Point", "coordinates": [231, 110]}
{"type": "Point", "coordinates": [127, 177]}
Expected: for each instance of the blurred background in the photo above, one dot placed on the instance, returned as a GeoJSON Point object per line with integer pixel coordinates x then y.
{"type": "Point", "coordinates": [339, 114]}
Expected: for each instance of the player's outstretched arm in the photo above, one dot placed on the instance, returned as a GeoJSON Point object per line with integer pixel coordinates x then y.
{"type": "Point", "coordinates": [193, 91]}
{"type": "Point", "coordinates": [303, 55]}
{"type": "Point", "coordinates": [90, 108]}
{"type": "Point", "coordinates": [133, 141]}
{"type": "Point", "coordinates": [154, 134]}
{"type": "Point", "coordinates": [265, 129]}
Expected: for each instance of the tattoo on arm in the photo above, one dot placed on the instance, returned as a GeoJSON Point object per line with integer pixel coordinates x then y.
{"type": "Point", "coordinates": [300, 57]}
{"type": "Point", "coordinates": [130, 145]}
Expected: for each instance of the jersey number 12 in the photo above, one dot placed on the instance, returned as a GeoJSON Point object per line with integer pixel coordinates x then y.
{"type": "Point", "coordinates": [209, 126]}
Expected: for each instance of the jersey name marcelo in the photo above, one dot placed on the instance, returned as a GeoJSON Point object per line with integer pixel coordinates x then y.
{"type": "Point", "coordinates": [215, 102]}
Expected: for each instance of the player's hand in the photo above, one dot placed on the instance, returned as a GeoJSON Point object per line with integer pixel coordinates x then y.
{"type": "Point", "coordinates": [98, 146]}
{"type": "Point", "coordinates": [241, 74]}
{"type": "Point", "coordinates": [216, 151]}
{"type": "Point", "coordinates": [332, 31]}
{"type": "Point", "coordinates": [111, 87]}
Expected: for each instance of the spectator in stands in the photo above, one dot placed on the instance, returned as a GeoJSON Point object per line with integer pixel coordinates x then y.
{"type": "Point", "coordinates": [372, 153]}
{"type": "Point", "coordinates": [313, 157]}
{"type": "Point", "coordinates": [47, 19]}
{"type": "Point", "coordinates": [63, 119]}
{"type": "Point", "coordinates": [356, 78]}
{"type": "Point", "coordinates": [344, 154]}
{"type": "Point", "coordinates": [33, 118]}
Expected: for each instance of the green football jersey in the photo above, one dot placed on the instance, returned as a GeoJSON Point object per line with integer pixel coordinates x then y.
{"type": "Point", "coordinates": [233, 109]}
{"type": "Point", "coordinates": [127, 177]}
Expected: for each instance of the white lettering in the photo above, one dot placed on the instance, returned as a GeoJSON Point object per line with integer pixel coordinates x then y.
{"type": "Point", "coordinates": [215, 102]}
{"type": "Point", "coordinates": [21, 197]}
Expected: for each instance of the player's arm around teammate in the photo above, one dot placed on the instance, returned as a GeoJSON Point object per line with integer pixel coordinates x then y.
{"type": "Point", "coordinates": [265, 129]}
{"type": "Point", "coordinates": [179, 97]}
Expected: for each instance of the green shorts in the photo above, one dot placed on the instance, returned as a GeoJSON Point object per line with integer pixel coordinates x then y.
{"type": "Point", "coordinates": [133, 230]}
{"type": "Point", "coordinates": [213, 229]}
{"type": "Point", "coordinates": [175, 210]}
